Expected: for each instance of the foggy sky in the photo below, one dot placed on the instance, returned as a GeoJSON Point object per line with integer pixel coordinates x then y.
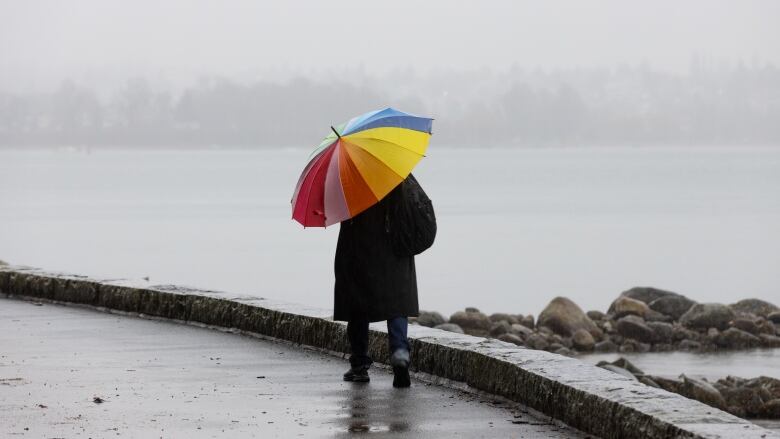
{"type": "Point", "coordinates": [103, 42]}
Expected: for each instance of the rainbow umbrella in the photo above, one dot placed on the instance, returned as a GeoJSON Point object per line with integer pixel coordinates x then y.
{"type": "Point", "coordinates": [357, 164]}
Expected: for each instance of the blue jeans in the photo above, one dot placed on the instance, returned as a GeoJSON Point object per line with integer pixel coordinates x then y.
{"type": "Point", "coordinates": [357, 333]}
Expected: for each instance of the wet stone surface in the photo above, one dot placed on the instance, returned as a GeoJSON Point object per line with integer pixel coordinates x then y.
{"type": "Point", "coordinates": [585, 397]}
{"type": "Point", "coordinates": [71, 372]}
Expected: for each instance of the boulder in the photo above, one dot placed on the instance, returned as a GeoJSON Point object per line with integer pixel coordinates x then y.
{"type": "Point", "coordinates": [3, 263]}
{"type": "Point", "coordinates": [605, 346]}
{"type": "Point", "coordinates": [774, 317]}
{"type": "Point", "coordinates": [754, 306]}
{"type": "Point", "coordinates": [537, 341]}
{"type": "Point", "coordinates": [630, 345]}
{"type": "Point", "coordinates": [471, 309]}
{"type": "Point", "coordinates": [649, 382]}
{"type": "Point", "coordinates": [564, 317]}
{"type": "Point", "coordinates": [708, 315]}
{"type": "Point", "coordinates": [730, 381]}
{"type": "Point", "coordinates": [643, 347]}
{"type": "Point", "coordinates": [634, 327]}
{"type": "Point", "coordinates": [769, 341]}
{"type": "Point", "coordinates": [746, 324]}
{"type": "Point", "coordinates": [471, 320]}
{"type": "Point", "coordinates": [627, 365]}
{"type": "Point", "coordinates": [582, 340]}
{"type": "Point", "coordinates": [511, 338]}
{"type": "Point", "coordinates": [595, 315]}
{"type": "Point", "coordinates": [772, 385]}
{"type": "Point", "coordinates": [765, 394]}
{"type": "Point", "coordinates": [736, 411]}
{"type": "Point", "coordinates": [527, 321]}
{"type": "Point", "coordinates": [501, 327]}
{"type": "Point", "coordinates": [544, 330]}
{"type": "Point", "coordinates": [654, 316]}
{"type": "Point", "coordinates": [430, 319]}
{"type": "Point", "coordinates": [734, 338]}
{"type": "Point", "coordinates": [680, 333]}
{"type": "Point", "coordinates": [499, 316]}
{"type": "Point", "coordinates": [451, 327]}
{"type": "Point", "coordinates": [623, 306]}
{"type": "Point", "coordinates": [771, 409]}
{"type": "Point", "coordinates": [563, 350]}
{"type": "Point", "coordinates": [521, 330]}
{"type": "Point", "coordinates": [702, 391]}
{"type": "Point", "coordinates": [765, 326]}
{"type": "Point", "coordinates": [618, 370]}
{"type": "Point", "coordinates": [744, 397]}
{"type": "Point", "coordinates": [662, 332]}
{"type": "Point", "coordinates": [606, 326]}
{"type": "Point", "coordinates": [555, 338]}
{"type": "Point", "coordinates": [554, 347]}
{"type": "Point", "coordinates": [476, 332]}
{"type": "Point", "coordinates": [673, 306]}
{"type": "Point", "coordinates": [644, 294]}
{"type": "Point", "coordinates": [689, 345]}
{"type": "Point", "coordinates": [667, 384]}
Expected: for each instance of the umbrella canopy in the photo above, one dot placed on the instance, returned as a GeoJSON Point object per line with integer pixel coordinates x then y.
{"type": "Point", "coordinates": [357, 164]}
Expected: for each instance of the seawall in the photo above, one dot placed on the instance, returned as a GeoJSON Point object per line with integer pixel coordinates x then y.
{"type": "Point", "coordinates": [586, 397]}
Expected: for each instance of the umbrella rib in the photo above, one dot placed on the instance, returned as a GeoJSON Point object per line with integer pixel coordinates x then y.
{"type": "Point", "coordinates": [338, 199]}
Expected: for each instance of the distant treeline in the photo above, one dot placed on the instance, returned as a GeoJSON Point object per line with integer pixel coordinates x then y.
{"type": "Point", "coordinates": [625, 106]}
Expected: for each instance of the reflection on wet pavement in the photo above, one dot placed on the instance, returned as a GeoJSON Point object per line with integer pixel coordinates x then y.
{"type": "Point", "coordinates": [159, 378]}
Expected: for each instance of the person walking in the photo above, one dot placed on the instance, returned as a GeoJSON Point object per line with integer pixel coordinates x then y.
{"type": "Point", "coordinates": [376, 279]}
{"type": "Point", "coordinates": [360, 177]}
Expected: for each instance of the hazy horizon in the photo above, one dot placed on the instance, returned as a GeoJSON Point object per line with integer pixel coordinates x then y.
{"type": "Point", "coordinates": [180, 73]}
{"type": "Point", "coordinates": [174, 43]}
{"type": "Point", "coordinates": [628, 106]}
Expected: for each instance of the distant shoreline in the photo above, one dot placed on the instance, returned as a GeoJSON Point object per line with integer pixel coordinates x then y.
{"type": "Point", "coordinates": [196, 147]}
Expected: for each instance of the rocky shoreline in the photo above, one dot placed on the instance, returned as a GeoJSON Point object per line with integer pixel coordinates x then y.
{"type": "Point", "coordinates": [747, 398]}
{"type": "Point", "coordinates": [642, 319]}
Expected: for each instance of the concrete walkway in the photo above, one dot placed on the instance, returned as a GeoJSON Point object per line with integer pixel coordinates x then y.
{"type": "Point", "coordinates": [167, 380]}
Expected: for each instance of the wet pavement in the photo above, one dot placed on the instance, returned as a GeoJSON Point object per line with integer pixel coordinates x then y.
{"type": "Point", "coordinates": [69, 372]}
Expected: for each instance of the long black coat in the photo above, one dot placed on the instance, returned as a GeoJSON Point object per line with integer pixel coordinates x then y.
{"type": "Point", "coordinates": [372, 283]}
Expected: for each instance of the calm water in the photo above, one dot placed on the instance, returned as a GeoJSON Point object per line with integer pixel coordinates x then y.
{"type": "Point", "coordinates": [517, 227]}
{"type": "Point", "coordinates": [711, 365]}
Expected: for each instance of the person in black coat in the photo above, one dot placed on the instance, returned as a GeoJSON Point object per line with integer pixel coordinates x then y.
{"type": "Point", "coordinates": [374, 284]}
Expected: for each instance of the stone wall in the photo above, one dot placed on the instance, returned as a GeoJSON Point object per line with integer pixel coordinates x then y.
{"type": "Point", "coordinates": [586, 397]}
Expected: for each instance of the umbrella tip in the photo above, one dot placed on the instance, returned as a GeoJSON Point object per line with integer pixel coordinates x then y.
{"type": "Point", "coordinates": [334, 130]}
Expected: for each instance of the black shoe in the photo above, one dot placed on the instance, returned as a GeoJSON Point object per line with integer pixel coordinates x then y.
{"type": "Point", "coordinates": [400, 362]}
{"type": "Point", "coordinates": [357, 374]}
